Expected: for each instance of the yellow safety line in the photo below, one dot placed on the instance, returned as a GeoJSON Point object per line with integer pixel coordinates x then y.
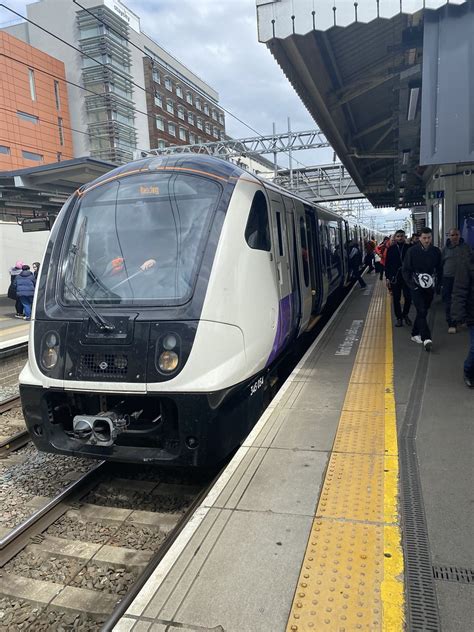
{"type": "Point", "coordinates": [352, 572]}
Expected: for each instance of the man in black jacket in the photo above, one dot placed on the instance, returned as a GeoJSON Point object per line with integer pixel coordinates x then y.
{"type": "Point", "coordinates": [462, 308]}
{"type": "Point", "coordinates": [422, 271]}
{"type": "Point", "coordinates": [395, 281]}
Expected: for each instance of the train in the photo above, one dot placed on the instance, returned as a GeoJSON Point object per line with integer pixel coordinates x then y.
{"type": "Point", "coordinates": [170, 291]}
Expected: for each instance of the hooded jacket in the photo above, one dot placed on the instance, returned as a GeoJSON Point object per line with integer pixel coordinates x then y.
{"type": "Point", "coordinates": [25, 283]}
{"type": "Point", "coordinates": [462, 305]}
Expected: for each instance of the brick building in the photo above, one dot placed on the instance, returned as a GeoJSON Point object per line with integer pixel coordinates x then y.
{"type": "Point", "coordinates": [182, 114]}
{"type": "Point", "coordinates": [34, 113]}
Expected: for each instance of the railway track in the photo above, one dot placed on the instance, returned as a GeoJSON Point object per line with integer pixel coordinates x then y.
{"type": "Point", "coordinates": [17, 439]}
{"type": "Point", "coordinates": [70, 563]}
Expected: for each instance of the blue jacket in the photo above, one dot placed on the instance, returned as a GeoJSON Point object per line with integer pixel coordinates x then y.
{"type": "Point", "coordinates": [25, 283]}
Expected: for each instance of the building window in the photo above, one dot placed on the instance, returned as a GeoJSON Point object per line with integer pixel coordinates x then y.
{"type": "Point", "coordinates": [56, 95]}
{"type": "Point", "coordinates": [190, 118]}
{"type": "Point", "coordinates": [199, 124]}
{"type": "Point", "coordinates": [168, 84]}
{"type": "Point", "coordinates": [29, 118]}
{"type": "Point", "coordinates": [156, 76]}
{"type": "Point", "coordinates": [207, 127]}
{"type": "Point", "coordinates": [198, 103]}
{"type": "Point", "coordinates": [221, 118]}
{"type": "Point", "coordinates": [31, 76]}
{"type": "Point", "coordinates": [29, 155]}
{"type": "Point", "coordinates": [189, 97]}
{"type": "Point", "coordinates": [170, 106]}
{"type": "Point", "coordinates": [206, 109]}
{"type": "Point", "coordinates": [171, 129]}
{"type": "Point", "coordinates": [181, 112]}
{"type": "Point", "coordinates": [61, 131]}
{"type": "Point", "coordinates": [4, 149]}
{"type": "Point", "coordinates": [160, 124]}
{"type": "Point", "coordinates": [182, 133]}
{"type": "Point", "coordinates": [161, 144]}
{"type": "Point", "coordinates": [158, 100]}
{"type": "Point", "coordinates": [214, 115]}
{"type": "Point", "coordinates": [59, 156]}
{"type": "Point", "coordinates": [192, 139]}
{"type": "Point", "coordinates": [179, 92]}
{"type": "Point", "coordinates": [215, 132]}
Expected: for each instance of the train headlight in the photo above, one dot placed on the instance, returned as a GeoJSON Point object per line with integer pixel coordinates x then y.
{"type": "Point", "coordinates": [49, 358]}
{"type": "Point", "coordinates": [169, 342]}
{"type": "Point", "coordinates": [168, 361]}
{"type": "Point", "coordinates": [50, 355]}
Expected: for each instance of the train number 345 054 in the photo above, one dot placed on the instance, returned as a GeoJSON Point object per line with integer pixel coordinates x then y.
{"type": "Point", "coordinates": [256, 385]}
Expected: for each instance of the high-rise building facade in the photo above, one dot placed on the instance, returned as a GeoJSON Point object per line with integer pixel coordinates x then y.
{"type": "Point", "coordinates": [35, 128]}
{"type": "Point", "coordinates": [109, 65]}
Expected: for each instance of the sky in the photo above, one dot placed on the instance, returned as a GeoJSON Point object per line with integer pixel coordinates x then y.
{"type": "Point", "coordinates": [218, 40]}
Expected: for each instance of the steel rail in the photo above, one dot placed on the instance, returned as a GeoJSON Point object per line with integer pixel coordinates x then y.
{"type": "Point", "coordinates": [15, 442]}
{"type": "Point", "coordinates": [40, 520]}
{"type": "Point", "coordinates": [8, 404]}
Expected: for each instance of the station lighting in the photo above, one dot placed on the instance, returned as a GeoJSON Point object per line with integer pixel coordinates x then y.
{"type": "Point", "coordinates": [405, 156]}
{"type": "Point", "coordinates": [403, 176]}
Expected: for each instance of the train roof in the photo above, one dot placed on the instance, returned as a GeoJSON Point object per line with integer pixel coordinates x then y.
{"type": "Point", "coordinates": [204, 164]}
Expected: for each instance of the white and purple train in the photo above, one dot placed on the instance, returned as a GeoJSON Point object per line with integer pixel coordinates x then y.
{"type": "Point", "coordinates": [170, 291]}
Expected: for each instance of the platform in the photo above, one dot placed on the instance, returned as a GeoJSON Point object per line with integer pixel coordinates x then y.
{"type": "Point", "coordinates": [12, 330]}
{"type": "Point", "coordinates": [303, 531]}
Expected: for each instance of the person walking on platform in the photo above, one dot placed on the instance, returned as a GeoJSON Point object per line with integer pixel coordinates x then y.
{"type": "Point", "coordinates": [422, 270]}
{"type": "Point", "coordinates": [355, 262]}
{"type": "Point", "coordinates": [395, 281]}
{"type": "Point", "coordinates": [25, 288]}
{"type": "Point", "coordinates": [380, 255]}
{"type": "Point", "coordinates": [462, 309]}
{"type": "Point", "coordinates": [455, 252]}
{"type": "Point", "coordinates": [369, 255]}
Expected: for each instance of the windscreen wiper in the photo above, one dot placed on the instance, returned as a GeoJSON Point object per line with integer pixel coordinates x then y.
{"type": "Point", "coordinates": [101, 323]}
{"type": "Point", "coordinates": [99, 320]}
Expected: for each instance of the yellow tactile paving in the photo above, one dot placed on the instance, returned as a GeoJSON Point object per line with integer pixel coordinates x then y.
{"type": "Point", "coordinates": [365, 397]}
{"type": "Point", "coordinates": [364, 433]}
{"type": "Point", "coordinates": [368, 373]}
{"type": "Point", "coordinates": [352, 572]}
{"type": "Point", "coordinates": [353, 488]}
{"type": "Point", "coordinates": [340, 584]}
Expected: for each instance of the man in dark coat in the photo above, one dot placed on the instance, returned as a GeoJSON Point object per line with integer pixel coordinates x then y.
{"type": "Point", "coordinates": [462, 310]}
{"type": "Point", "coordinates": [25, 288]}
{"type": "Point", "coordinates": [395, 281]}
{"type": "Point", "coordinates": [454, 253]}
{"type": "Point", "coordinates": [355, 262]}
{"type": "Point", "coordinates": [422, 270]}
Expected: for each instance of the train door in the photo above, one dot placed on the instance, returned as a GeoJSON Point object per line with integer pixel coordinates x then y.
{"type": "Point", "coordinates": [344, 249]}
{"type": "Point", "coordinates": [304, 257]}
{"type": "Point", "coordinates": [282, 263]}
{"type": "Point", "coordinates": [294, 260]}
{"type": "Point", "coordinates": [318, 271]}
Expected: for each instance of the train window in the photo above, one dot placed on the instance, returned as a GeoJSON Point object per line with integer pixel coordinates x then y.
{"type": "Point", "coordinates": [140, 239]}
{"type": "Point", "coordinates": [280, 237]}
{"type": "Point", "coordinates": [304, 251]}
{"type": "Point", "coordinates": [257, 231]}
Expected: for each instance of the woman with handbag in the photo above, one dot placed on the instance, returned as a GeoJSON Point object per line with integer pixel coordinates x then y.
{"type": "Point", "coordinates": [14, 272]}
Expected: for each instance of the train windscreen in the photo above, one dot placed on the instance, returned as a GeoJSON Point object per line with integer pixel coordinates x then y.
{"type": "Point", "coordinates": [139, 239]}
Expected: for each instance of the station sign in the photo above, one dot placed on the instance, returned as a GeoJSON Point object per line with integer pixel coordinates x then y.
{"type": "Point", "coordinates": [35, 224]}
{"type": "Point", "coordinates": [435, 195]}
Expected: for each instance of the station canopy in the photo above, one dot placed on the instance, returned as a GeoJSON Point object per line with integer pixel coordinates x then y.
{"type": "Point", "coordinates": [41, 191]}
{"type": "Point", "coordinates": [357, 67]}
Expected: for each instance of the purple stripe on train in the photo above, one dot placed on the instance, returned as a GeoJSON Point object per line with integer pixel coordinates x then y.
{"type": "Point", "coordinates": [283, 325]}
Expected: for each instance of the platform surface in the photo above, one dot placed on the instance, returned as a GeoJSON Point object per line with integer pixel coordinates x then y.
{"type": "Point", "coordinates": [12, 330]}
{"type": "Point", "coordinates": [303, 531]}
